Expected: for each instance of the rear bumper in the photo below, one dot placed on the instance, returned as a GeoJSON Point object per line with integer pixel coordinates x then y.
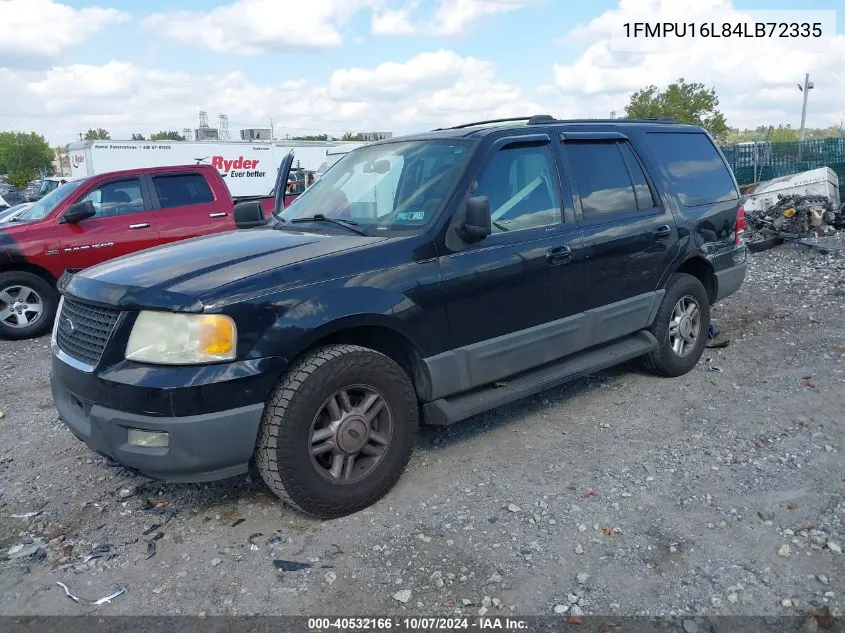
{"type": "Point", "coordinates": [729, 280]}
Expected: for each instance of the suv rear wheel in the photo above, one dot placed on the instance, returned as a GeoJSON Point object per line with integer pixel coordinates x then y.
{"type": "Point", "coordinates": [27, 305]}
{"type": "Point", "coordinates": [680, 327]}
{"type": "Point", "coordinates": [337, 431]}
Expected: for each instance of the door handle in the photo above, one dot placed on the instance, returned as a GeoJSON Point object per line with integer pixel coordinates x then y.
{"type": "Point", "coordinates": [141, 225]}
{"type": "Point", "coordinates": [662, 232]}
{"type": "Point", "coordinates": [218, 215]}
{"type": "Point", "coordinates": [559, 255]}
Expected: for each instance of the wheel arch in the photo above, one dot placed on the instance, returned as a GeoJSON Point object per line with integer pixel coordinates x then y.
{"type": "Point", "coordinates": [26, 267]}
{"type": "Point", "coordinates": [701, 269]}
{"type": "Point", "coordinates": [379, 333]}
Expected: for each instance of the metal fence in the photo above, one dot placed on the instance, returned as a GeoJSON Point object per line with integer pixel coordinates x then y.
{"type": "Point", "coordinates": [753, 162]}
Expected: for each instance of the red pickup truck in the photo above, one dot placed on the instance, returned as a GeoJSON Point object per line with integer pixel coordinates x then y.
{"type": "Point", "coordinates": [90, 220]}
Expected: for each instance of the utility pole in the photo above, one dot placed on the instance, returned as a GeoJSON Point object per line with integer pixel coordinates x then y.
{"type": "Point", "coordinates": [808, 85]}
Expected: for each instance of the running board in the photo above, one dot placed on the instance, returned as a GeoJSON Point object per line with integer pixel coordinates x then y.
{"type": "Point", "coordinates": [453, 409]}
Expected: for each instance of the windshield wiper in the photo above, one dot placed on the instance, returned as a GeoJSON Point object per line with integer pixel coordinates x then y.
{"type": "Point", "coordinates": [352, 225]}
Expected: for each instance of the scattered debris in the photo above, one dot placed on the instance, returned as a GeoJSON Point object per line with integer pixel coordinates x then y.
{"type": "Point", "coordinates": [275, 540]}
{"type": "Point", "coordinates": [402, 596]}
{"type": "Point", "coordinates": [560, 609]}
{"type": "Point", "coordinates": [237, 522]}
{"type": "Point", "coordinates": [608, 531]}
{"type": "Point", "coordinates": [151, 529]}
{"type": "Point", "coordinates": [514, 508]}
{"type": "Point", "coordinates": [590, 494]}
{"type": "Point", "coordinates": [834, 547]}
{"type": "Point", "coordinates": [216, 561]}
{"type": "Point", "coordinates": [151, 549]}
{"type": "Point", "coordinates": [715, 368]}
{"type": "Point", "coordinates": [582, 578]}
{"type": "Point", "coordinates": [118, 589]}
{"type": "Point", "coordinates": [784, 550]}
{"type": "Point", "coordinates": [330, 577]}
{"type": "Point", "coordinates": [251, 540]}
{"type": "Point", "coordinates": [24, 550]}
{"type": "Point", "coordinates": [791, 506]}
{"type": "Point", "coordinates": [27, 515]}
{"type": "Point", "coordinates": [129, 491]}
{"type": "Point", "coordinates": [99, 551]}
{"type": "Point", "coordinates": [290, 565]}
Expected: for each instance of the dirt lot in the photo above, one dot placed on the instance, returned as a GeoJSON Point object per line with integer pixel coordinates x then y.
{"type": "Point", "coordinates": [721, 492]}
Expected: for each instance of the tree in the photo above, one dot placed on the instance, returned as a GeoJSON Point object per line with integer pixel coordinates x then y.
{"type": "Point", "coordinates": [781, 134]}
{"type": "Point", "coordinates": [138, 137]}
{"type": "Point", "coordinates": [168, 135]}
{"type": "Point", "coordinates": [314, 137]}
{"type": "Point", "coordinates": [349, 136]}
{"type": "Point", "coordinates": [97, 135]}
{"type": "Point", "coordinates": [23, 155]}
{"type": "Point", "coordinates": [690, 103]}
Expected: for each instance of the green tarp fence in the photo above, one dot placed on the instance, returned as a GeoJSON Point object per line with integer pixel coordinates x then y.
{"type": "Point", "coordinates": [754, 162]}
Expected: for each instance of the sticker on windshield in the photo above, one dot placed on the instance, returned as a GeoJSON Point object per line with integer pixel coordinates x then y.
{"type": "Point", "coordinates": [410, 216]}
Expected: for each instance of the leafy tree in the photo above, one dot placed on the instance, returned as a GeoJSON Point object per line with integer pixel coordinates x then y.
{"type": "Point", "coordinates": [97, 135]}
{"type": "Point", "coordinates": [313, 137]}
{"type": "Point", "coordinates": [782, 134]}
{"type": "Point", "coordinates": [690, 103]}
{"type": "Point", "coordinates": [23, 155]}
{"type": "Point", "coordinates": [349, 136]}
{"type": "Point", "coordinates": [167, 135]}
{"type": "Point", "coordinates": [138, 137]}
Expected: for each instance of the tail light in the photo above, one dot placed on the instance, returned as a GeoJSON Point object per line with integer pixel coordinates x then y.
{"type": "Point", "coordinates": [741, 225]}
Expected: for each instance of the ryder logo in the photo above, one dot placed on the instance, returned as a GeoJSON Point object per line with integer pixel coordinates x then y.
{"type": "Point", "coordinates": [77, 160]}
{"type": "Point", "coordinates": [238, 168]}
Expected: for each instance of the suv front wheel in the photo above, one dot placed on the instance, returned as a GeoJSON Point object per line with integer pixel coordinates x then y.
{"type": "Point", "coordinates": [337, 431]}
{"type": "Point", "coordinates": [681, 327]}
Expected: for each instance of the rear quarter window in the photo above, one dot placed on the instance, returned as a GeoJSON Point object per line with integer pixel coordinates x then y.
{"type": "Point", "coordinates": [696, 170]}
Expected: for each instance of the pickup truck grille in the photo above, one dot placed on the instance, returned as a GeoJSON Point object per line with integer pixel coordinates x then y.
{"type": "Point", "coordinates": [84, 329]}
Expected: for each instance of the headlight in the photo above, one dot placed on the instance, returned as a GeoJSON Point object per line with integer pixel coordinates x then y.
{"type": "Point", "coordinates": [169, 338]}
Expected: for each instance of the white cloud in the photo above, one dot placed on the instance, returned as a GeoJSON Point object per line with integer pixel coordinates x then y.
{"type": "Point", "coordinates": [426, 91]}
{"type": "Point", "coordinates": [250, 27]}
{"type": "Point", "coordinates": [450, 17]}
{"type": "Point", "coordinates": [754, 79]}
{"type": "Point", "coordinates": [35, 31]}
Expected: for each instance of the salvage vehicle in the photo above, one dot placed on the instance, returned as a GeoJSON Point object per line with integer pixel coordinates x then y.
{"type": "Point", "coordinates": [429, 277]}
{"type": "Point", "coordinates": [89, 220]}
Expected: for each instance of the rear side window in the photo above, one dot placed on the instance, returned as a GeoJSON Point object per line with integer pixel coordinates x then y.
{"type": "Point", "coordinates": [181, 190]}
{"type": "Point", "coordinates": [698, 173]}
{"type": "Point", "coordinates": [602, 179]}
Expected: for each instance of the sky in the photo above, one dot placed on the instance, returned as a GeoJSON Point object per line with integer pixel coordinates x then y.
{"type": "Point", "coordinates": [333, 66]}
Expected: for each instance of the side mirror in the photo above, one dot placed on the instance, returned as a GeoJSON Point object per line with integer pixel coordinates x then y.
{"type": "Point", "coordinates": [79, 211]}
{"type": "Point", "coordinates": [248, 215]}
{"type": "Point", "coordinates": [477, 223]}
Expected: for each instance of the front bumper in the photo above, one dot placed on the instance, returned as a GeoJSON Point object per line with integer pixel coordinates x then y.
{"type": "Point", "coordinates": [209, 437]}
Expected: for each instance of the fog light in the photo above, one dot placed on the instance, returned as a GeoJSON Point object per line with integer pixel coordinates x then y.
{"type": "Point", "coordinates": [149, 439]}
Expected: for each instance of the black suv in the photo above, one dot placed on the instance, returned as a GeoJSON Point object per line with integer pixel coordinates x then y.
{"type": "Point", "coordinates": [429, 277]}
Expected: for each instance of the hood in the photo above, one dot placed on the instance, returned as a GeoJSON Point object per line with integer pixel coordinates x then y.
{"type": "Point", "coordinates": [177, 275]}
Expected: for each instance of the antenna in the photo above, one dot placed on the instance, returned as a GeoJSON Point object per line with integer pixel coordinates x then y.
{"type": "Point", "coordinates": [223, 127]}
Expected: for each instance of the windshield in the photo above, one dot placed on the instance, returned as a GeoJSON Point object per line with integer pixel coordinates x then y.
{"type": "Point", "coordinates": [389, 187]}
{"type": "Point", "coordinates": [45, 206]}
{"type": "Point", "coordinates": [47, 186]}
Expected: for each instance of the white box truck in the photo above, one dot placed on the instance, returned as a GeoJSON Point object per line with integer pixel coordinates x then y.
{"type": "Point", "coordinates": [248, 167]}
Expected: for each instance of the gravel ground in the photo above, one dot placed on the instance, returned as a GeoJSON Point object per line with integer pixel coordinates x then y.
{"type": "Point", "coordinates": [720, 492]}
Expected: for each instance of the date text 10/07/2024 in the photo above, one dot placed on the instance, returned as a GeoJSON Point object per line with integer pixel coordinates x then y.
{"type": "Point", "coordinates": [324, 625]}
{"type": "Point", "coordinates": [752, 30]}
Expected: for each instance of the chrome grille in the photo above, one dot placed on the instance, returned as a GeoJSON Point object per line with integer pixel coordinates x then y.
{"type": "Point", "coordinates": [83, 330]}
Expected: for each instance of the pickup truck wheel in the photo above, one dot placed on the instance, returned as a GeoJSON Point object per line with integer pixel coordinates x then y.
{"type": "Point", "coordinates": [337, 431]}
{"type": "Point", "coordinates": [27, 305]}
{"type": "Point", "coordinates": [680, 327]}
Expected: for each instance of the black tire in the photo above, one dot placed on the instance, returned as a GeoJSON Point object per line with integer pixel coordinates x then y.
{"type": "Point", "coordinates": [283, 454]}
{"type": "Point", "coordinates": [665, 361]}
{"type": "Point", "coordinates": [10, 281]}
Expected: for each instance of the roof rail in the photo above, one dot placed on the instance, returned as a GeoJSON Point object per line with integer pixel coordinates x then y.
{"type": "Point", "coordinates": [541, 119]}
{"type": "Point", "coordinates": [531, 120]}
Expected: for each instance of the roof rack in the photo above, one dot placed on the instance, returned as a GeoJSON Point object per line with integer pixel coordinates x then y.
{"type": "Point", "coordinates": [543, 119]}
